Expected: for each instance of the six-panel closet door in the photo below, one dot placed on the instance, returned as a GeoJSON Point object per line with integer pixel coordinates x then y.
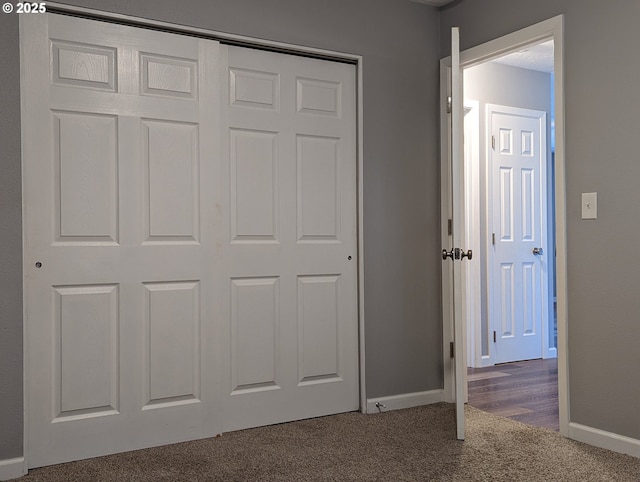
{"type": "Point", "coordinates": [289, 256]}
{"type": "Point", "coordinates": [190, 237]}
{"type": "Point", "coordinates": [120, 218]}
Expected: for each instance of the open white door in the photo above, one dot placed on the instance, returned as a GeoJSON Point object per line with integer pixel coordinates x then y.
{"type": "Point", "coordinates": [453, 236]}
{"type": "Point", "coordinates": [457, 205]}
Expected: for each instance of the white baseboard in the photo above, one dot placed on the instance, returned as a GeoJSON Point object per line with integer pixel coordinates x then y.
{"type": "Point", "coordinates": [485, 361]}
{"type": "Point", "coordinates": [606, 440]}
{"type": "Point", "coordinates": [405, 400]}
{"type": "Point", "coordinates": [12, 468]}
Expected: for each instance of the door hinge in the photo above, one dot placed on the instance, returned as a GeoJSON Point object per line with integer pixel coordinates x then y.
{"type": "Point", "coordinates": [449, 227]}
{"type": "Point", "coordinates": [452, 351]}
{"type": "Point", "coordinates": [493, 238]}
{"type": "Point", "coordinates": [493, 142]}
{"type": "Point", "coordinates": [449, 105]}
{"type": "Point", "coordinates": [494, 337]}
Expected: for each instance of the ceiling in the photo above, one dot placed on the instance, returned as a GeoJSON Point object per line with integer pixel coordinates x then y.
{"type": "Point", "coordinates": [433, 3]}
{"type": "Point", "coordinates": [534, 57]}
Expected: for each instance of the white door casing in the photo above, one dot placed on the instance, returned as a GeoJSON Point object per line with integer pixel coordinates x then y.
{"type": "Point", "coordinates": [289, 255]}
{"type": "Point", "coordinates": [120, 145]}
{"type": "Point", "coordinates": [517, 220]}
{"type": "Point", "coordinates": [473, 275]}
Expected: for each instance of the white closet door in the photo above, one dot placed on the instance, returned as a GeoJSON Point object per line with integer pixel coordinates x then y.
{"type": "Point", "coordinates": [120, 150]}
{"type": "Point", "coordinates": [289, 254]}
{"type": "Point", "coordinates": [169, 287]}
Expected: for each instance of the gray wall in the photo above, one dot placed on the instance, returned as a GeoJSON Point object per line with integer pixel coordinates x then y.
{"type": "Point", "coordinates": [602, 105]}
{"type": "Point", "coordinates": [494, 83]}
{"type": "Point", "coordinates": [399, 43]}
{"type": "Point", "coordinates": [10, 243]}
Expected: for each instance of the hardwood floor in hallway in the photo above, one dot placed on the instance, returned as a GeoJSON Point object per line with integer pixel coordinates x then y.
{"type": "Point", "coordinates": [525, 391]}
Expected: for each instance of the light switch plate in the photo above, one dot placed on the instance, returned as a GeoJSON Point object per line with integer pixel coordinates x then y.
{"type": "Point", "coordinates": [589, 205]}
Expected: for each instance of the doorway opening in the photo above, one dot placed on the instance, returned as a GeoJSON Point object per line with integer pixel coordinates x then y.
{"type": "Point", "coordinates": [455, 312]}
{"type": "Point", "coordinates": [509, 151]}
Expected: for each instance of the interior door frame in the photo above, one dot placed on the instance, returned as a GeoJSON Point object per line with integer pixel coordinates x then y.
{"type": "Point", "coordinates": [473, 208]}
{"type": "Point", "coordinates": [551, 29]}
{"type": "Point", "coordinates": [474, 204]}
{"type": "Point", "coordinates": [227, 38]}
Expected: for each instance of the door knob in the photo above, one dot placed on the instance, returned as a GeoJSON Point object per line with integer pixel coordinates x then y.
{"type": "Point", "coordinates": [457, 253]}
{"type": "Point", "coordinates": [537, 251]}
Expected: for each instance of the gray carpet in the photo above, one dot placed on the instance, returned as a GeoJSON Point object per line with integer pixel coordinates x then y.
{"type": "Point", "coordinates": [416, 444]}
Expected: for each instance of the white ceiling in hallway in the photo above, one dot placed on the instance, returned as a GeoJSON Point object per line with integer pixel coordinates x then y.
{"type": "Point", "coordinates": [534, 57]}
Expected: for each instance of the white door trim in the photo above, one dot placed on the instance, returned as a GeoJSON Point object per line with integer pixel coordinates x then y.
{"type": "Point", "coordinates": [54, 7]}
{"type": "Point", "coordinates": [223, 37]}
{"type": "Point", "coordinates": [473, 204]}
{"type": "Point", "coordinates": [12, 468]}
{"type": "Point", "coordinates": [546, 30]}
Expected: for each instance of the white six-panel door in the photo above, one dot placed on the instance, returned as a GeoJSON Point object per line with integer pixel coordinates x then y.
{"type": "Point", "coordinates": [178, 272]}
{"type": "Point", "coordinates": [119, 155]}
{"type": "Point", "coordinates": [518, 275]}
{"type": "Point", "coordinates": [289, 254]}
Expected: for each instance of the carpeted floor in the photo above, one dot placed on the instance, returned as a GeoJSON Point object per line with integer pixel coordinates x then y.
{"type": "Point", "coordinates": [417, 444]}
